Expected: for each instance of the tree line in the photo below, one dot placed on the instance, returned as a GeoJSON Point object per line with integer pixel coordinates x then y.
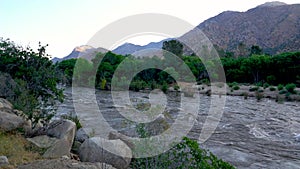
{"type": "Point", "coordinates": [283, 68]}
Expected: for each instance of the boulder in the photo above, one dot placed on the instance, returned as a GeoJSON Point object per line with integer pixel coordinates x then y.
{"type": "Point", "coordinates": [297, 137]}
{"type": "Point", "coordinates": [3, 161]}
{"type": "Point", "coordinates": [113, 135]}
{"type": "Point", "coordinates": [61, 148]}
{"type": "Point", "coordinates": [113, 152]}
{"type": "Point", "coordinates": [59, 139]}
{"type": "Point", "coordinates": [9, 121]}
{"type": "Point", "coordinates": [4, 104]}
{"type": "Point", "coordinates": [81, 135]}
{"type": "Point", "coordinates": [64, 130]}
{"type": "Point", "coordinates": [43, 141]}
{"type": "Point", "coordinates": [61, 128]}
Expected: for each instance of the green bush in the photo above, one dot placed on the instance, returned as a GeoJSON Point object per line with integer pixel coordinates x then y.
{"type": "Point", "coordinates": [138, 85]}
{"type": "Point", "coordinates": [283, 92]}
{"type": "Point", "coordinates": [280, 87]}
{"type": "Point", "coordinates": [252, 89]}
{"type": "Point", "coordinates": [232, 84]}
{"type": "Point", "coordinates": [186, 154]}
{"type": "Point", "coordinates": [258, 95]}
{"type": "Point", "coordinates": [271, 79]}
{"type": "Point", "coordinates": [272, 88]}
{"type": "Point", "coordinates": [103, 84]}
{"type": "Point", "coordinates": [261, 90]}
{"type": "Point", "coordinates": [176, 87]}
{"type": "Point", "coordinates": [290, 88]}
{"type": "Point", "coordinates": [236, 88]}
{"type": "Point", "coordinates": [164, 87]}
{"type": "Point", "coordinates": [266, 85]}
{"type": "Point", "coordinates": [245, 94]}
{"type": "Point", "coordinates": [75, 119]}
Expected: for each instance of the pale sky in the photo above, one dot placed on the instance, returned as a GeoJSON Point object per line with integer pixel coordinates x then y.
{"type": "Point", "coordinates": [65, 24]}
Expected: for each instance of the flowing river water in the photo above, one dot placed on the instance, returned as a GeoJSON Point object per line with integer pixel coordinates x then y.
{"type": "Point", "coordinates": [250, 134]}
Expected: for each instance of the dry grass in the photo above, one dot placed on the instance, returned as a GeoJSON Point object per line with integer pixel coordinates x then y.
{"type": "Point", "coordinates": [17, 149]}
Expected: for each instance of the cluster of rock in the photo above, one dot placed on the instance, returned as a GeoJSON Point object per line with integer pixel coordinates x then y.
{"type": "Point", "coordinates": [60, 139]}
{"type": "Point", "coordinates": [9, 120]}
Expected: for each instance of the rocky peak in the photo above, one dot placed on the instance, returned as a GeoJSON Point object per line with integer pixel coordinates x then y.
{"type": "Point", "coordinates": [272, 4]}
{"type": "Point", "coordinates": [83, 48]}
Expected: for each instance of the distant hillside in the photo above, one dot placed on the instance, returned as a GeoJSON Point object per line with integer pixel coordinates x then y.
{"type": "Point", "coordinates": [129, 48]}
{"type": "Point", "coordinates": [274, 26]}
{"type": "Point", "coordinates": [83, 51]}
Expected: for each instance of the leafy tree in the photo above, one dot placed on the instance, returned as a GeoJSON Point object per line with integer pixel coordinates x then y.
{"type": "Point", "coordinates": [67, 67]}
{"type": "Point", "coordinates": [174, 47]}
{"type": "Point", "coordinates": [242, 50]}
{"type": "Point", "coordinates": [36, 78]}
{"type": "Point", "coordinates": [255, 50]}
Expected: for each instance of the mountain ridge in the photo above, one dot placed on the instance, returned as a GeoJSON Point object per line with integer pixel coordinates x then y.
{"type": "Point", "coordinates": [273, 26]}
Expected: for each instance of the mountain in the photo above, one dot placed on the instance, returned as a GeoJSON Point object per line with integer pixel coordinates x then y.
{"type": "Point", "coordinates": [129, 48]}
{"type": "Point", "coordinates": [273, 26]}
{"type": "Point", "coordinates": [82, 51]}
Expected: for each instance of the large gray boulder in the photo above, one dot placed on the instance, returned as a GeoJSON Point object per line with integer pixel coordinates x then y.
{"type": "Point", "coordinates": [113, 152]}
{"type": "Point", "coordinates": [61, 128]}
{"type": "Point", "coordinates": [43, 141]}
{"type": "Point", "coordinates": [59, 139]}
{"type": "Point", "coordinates": [9, 120]}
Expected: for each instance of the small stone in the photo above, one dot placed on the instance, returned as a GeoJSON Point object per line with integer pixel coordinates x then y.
{"type": "Point", "coordinates": [81, 135]}
{"type": "Point", "coordinates": [3, 161]}
{"type": "Point", "coordinates": [65, 157]}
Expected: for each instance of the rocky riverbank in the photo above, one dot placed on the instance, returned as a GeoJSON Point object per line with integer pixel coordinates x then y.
{"type": "Point", "coordinates": [250, 134]}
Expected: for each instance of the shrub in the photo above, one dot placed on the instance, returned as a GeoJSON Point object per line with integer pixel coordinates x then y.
{"type": "Point", "coordinates": [245, 94]}
{"type": "Point", "coordinates": [288, 96]}
{"type": "Point", "coordinates": [266, 85]}
{"type": "Point", "coordinates": [232, 84]}
{"type": "Point", "coordinates": [164, 87]}
{"type": "Point", "coordinates": [138, 85]}
{"type": "Point", "coordinates": [176, 87]}
{"type": "Point", "coordinates": [75, 119]}
{"type": "Point", "coordinates": [102, 84]}
{"type": "Point", "coordinates": [236, 88]}
{"type": "Point", "coordinates": [259, 95]}
{"type": "Point", "coordinates": [280, 87]}
{"type": "Point", "coordinates": [186, 154]}
{"type": "Point", "coordinates": [271, 79]}
{"type": "Point", "coordinates": [205, 81]}
{"type": "Point", "coordinates": [260, 84]}
{"type": "Point", "coordinates": [290, 87]}
{"type": "Point", "coordinates": [283, 92]}
{"type": "Point", "coordinates": [279, 99]}
{"type": "Point", "coordinates": [261, 90]}
{"type": "Point", "coordinates": [272, 88]}
{"type": "Point", "coordinates": [252, 89]}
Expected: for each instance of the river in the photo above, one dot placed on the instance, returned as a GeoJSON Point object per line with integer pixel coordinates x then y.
{"type": "Point", "coordinates": [250, 134]}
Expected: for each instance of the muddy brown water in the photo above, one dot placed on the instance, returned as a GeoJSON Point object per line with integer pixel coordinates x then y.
{"type": "Point", "coordinates": [250, 134]}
